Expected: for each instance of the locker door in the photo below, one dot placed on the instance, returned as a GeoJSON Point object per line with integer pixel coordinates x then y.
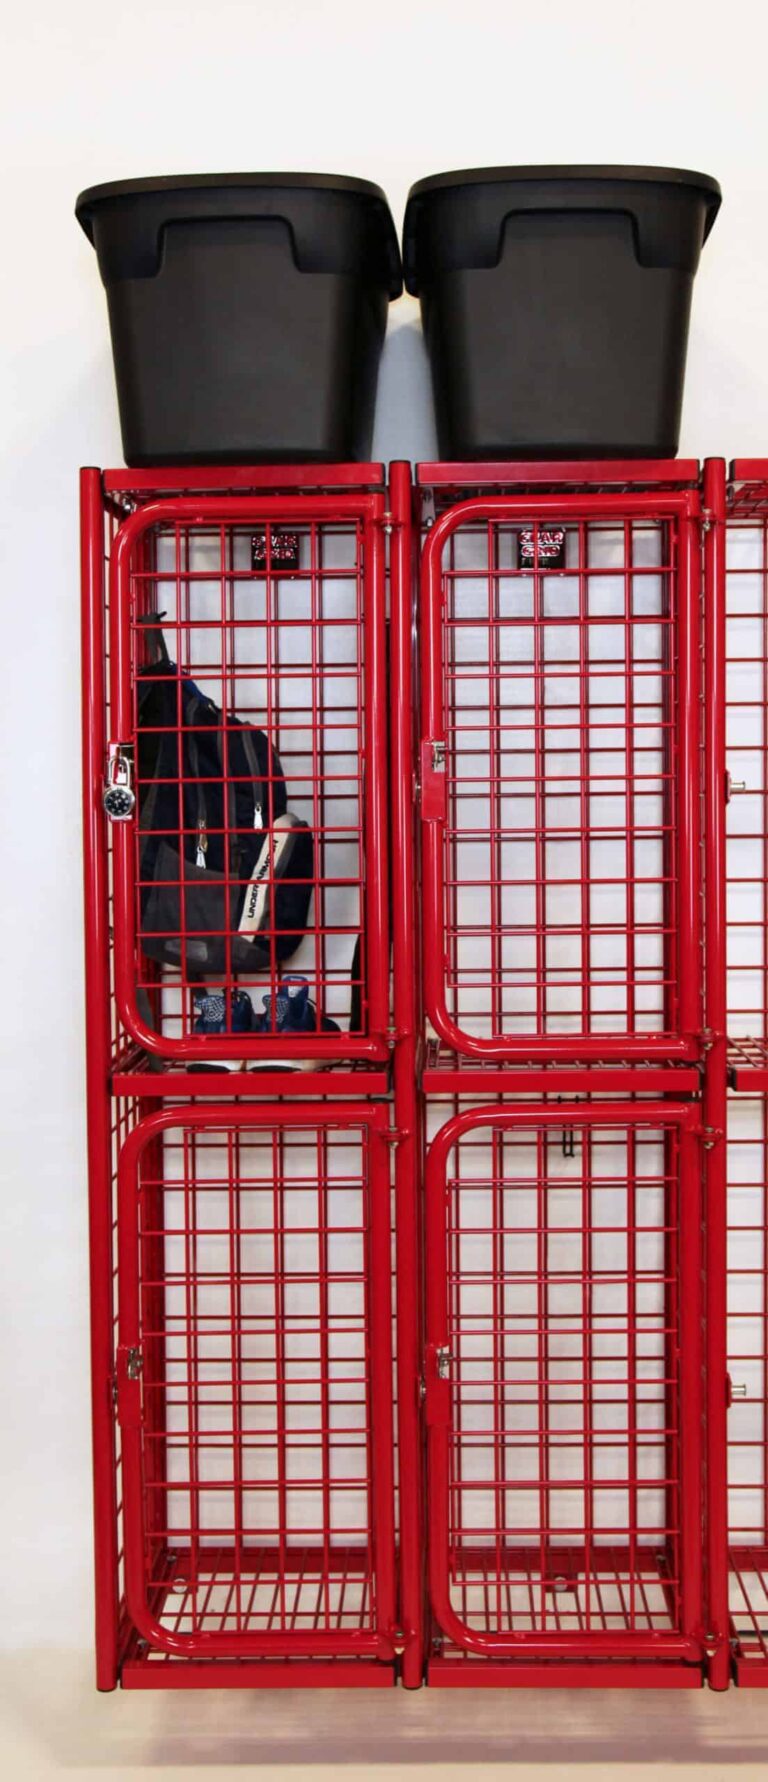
{"type": "Point", "coordinates": [564, 1402]}
{"type": "Point", "coordinates": [273, 607]}
{"type": "Point", "coordinates": [254, 1382]}
{"type": "Point", "coordinates": [560, 776]}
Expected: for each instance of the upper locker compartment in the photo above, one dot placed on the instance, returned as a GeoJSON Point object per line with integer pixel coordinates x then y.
{"type": "Point", "coordinates": [247, 719]}
{"type": "Point", "coordinates": [746, 633]}
{"type": "Point", "coordinates": [560, 763]}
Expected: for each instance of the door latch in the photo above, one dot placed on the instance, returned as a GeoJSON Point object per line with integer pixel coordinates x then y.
{"type": "Point", "coordinates": [129, 1369]}
{"type": "Point", "coordinates": [433, 779]}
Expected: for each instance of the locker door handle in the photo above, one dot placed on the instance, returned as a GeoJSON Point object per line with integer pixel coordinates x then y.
{"type": "Point", "coordinates": [130, 1362]}
{"type": "Point", "coordinates": [438, 1385]}
{"type": "Point", "coordinates": [433, 775]}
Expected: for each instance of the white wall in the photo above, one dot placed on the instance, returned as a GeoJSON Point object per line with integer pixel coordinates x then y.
{"type": "Point", "coordinates": [91, 93]}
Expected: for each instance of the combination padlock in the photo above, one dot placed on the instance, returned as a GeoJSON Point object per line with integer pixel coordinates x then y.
{"type": "Point", "coordinates": [118, 796]}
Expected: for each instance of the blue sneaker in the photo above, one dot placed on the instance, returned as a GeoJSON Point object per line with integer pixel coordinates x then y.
{"type": "Point", "coordinates": [211, 1012]}
{"type": "Point", "coordinates": [293, 1013]}
{"type": "Point", "coordinates": [211, 1018]}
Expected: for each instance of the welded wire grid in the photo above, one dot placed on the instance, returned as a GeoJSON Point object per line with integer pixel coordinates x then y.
{"type": "Point", "coordinates": [564, 1468]}
{"type": "Point", "coordinates": [282, 649]}
{"type": "Point", "coordinates": [259, 1436]}
{"type": "Point", "coordinates": [747, 760]}
{"type": "Point", "coordinates": [748, 1370]}
{"type": "Point", "coordinates": [560, 703]}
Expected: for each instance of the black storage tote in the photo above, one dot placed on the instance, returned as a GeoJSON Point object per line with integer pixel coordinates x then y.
{"type": "Point", "coordinates": [556, 303]}
{"type": "Point", "coordinates": [247, 313]}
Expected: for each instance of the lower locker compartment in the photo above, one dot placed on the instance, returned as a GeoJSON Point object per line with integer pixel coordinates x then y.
{"type": "Point", "coordinates": [564, 1395]}
{"type": "Point", "coordinates": [748, 1375]}
{"type": "Point", "coordinates": [254, 1396]}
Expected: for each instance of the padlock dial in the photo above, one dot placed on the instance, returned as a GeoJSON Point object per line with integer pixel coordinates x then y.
{"type": "Point", "coordinates": [118, 801]}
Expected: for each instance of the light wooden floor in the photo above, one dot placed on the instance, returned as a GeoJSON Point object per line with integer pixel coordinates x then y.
{"type": "Point", "coordinates": [52, 1723]}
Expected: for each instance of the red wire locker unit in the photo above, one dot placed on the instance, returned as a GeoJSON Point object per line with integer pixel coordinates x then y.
{"type": "Point", "coordinates": [573, 1293]}
{"type": "Point", "coordinates": [560, 695]}
{"type": "Point", "coordinates": [246, 1526]}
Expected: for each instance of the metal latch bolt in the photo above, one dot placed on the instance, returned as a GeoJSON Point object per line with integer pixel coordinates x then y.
{"type": "Point", "coordinates": [443, 1360]}
{"type": "Point", "coordinates": [134, 1362]}
{"type": "Point", "coordinates": [118, 796]}
{"type": "Point", "coordinates": [732, 786]}
{"type": "Point", "coordinates": [438, 757]}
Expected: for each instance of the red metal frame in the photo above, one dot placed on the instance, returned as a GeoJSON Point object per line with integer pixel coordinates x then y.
{"type": "Point", "coordinates": [246, 478]}
{"type": "Point", "coordinates": [136, 589]}
{"type": "Point", "coordinates": [563, 1381]}
{"type": "Point", "coordinates": [96, 896]}
{"type": "Point", "coordinates": [476, 989]}
{"type": "Point", "coordinates": [407, 1108]}
{"type": "Point", "coordinates": [254, 1382]}
{"type": "Point", "coordinates": [600, 473]}
{"type": "Point", "coordinates": [715, 1074]}
{"type": "Point", "coordinates": [446, 1071]}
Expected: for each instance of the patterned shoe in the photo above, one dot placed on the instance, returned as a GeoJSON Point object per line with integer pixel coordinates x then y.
{"type": "Point", "coordinates": [290, 1011]}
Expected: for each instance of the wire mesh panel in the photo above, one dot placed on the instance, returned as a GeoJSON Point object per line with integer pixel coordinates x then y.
{"type": "Point", "coordinates": [248, 690]}
{"type": "Point", "coordinates": [746, 691]}
{"type": "Point", "coordinates": [748, 1373]}
{"type": "Point", "coordinates": [559, 776]}
{"type": "Point", "coordinates": [747, 785]}
{"type": "Point", "coordinates": [254, 1382]}
{"type": "Point", "coordinates": [564, 1383]}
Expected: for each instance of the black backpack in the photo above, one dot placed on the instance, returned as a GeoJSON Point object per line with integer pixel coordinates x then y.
{"type": "Point", "coordinates": [189, 761]}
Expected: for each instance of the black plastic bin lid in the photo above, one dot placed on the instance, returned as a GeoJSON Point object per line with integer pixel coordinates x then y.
{"type": "Point", "coordinates": [124, 219]}
{"type": "Point", "coordinates": [546, 188]}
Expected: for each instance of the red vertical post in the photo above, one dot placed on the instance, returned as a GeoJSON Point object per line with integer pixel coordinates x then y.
{"type": "Point", "coordinates": [689, 913]}
{"type": "Point", "coordinates": [97, 1077]}
{"type": "Point", "coordinates": [715, 1077]}
{"type": "Point", "coordinates": [376, 837]}
{"type": "Point", "coordinates": [407, 1103]}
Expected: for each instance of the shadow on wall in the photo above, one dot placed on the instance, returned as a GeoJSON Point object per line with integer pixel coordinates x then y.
{"type": "Point", "coordinates": [405, 425]}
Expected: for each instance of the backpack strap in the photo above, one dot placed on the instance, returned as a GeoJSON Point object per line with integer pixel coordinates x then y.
{"type": "Point", "coordinates": [259, 799]}
{"type": "Point", "coordinates": [194, 762]}
{"type": "Point", "coordinates": [157, 648]}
